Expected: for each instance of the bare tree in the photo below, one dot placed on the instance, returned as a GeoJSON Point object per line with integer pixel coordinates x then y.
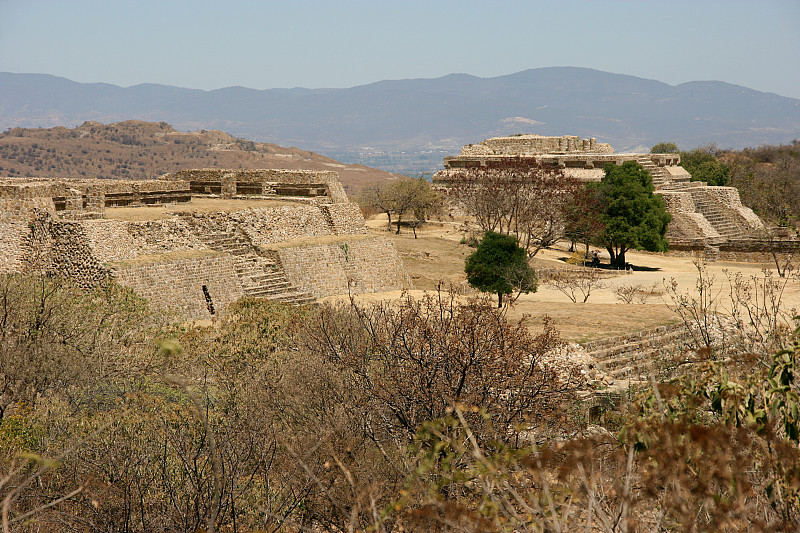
{"type": "Point", "coordinates": [408, 195]}
{"type": "Point", "coordinates": [517, 196]}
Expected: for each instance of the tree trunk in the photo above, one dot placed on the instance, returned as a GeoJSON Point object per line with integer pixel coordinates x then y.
{"type": "Point", "coordinates": [389, 215]}
{"type": "Point", "coordinates": [398, 224]}
{"type": "Point", "coordinates": [499, 299]}
{"type": "Point", "coordinates": [612, 255]}
{"type": "Point", "coordinates": [619, 261]}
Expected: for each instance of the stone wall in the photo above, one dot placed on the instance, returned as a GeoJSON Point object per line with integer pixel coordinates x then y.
{"type": "Point", "coordinates": [61, 248]}
{"type": "Point", "coordinates": [264, 225]}
{"type": "Point", "coordinates": [358, 266]}
{"type": "Point", "coordinates": [228, 183]}
{"type": "Point", "coordinates": [178, 285]}
{"type": "Point", "coordinates": [346, 219]}
{"type": "Point", "coordinates": [193, 260]}
{"type": "Point", "coordinates": [539, 144]}
{"type": "Point", "coordinates": [12, 246]}
{"type": "Point", "coordinates": [678, 201]}
{"type": "Point", "coordinates": [116, 240]}
{"type": "Point", "coordinates": [24, 209]}
{"type": "Point", "coordinates": [89, 197]}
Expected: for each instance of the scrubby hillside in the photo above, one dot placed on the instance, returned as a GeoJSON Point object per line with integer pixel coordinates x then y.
{"type": "Point", "coordinates": [139, 150]}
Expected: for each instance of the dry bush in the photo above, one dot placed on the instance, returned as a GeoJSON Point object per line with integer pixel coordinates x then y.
{"type": "Point", "coordinates": [636, 293]}
{"type": "Point", "coordinates": [414, 361]}
{"type": "Point", "coordinates": [55, 336]}
{"type": "Point", "coordinates": [751, 319]}
{"type": "Point", "coordinates": [389, 418]}
{"type": "Point", "coordinates": [577, 285]}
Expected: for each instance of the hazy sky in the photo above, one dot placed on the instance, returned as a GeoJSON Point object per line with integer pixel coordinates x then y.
{"type": "Point", "coordinates": [207, 44]}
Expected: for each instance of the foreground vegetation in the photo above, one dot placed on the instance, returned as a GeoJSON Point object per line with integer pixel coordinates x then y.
{"type": "Point", "coordinates": [429, 414]}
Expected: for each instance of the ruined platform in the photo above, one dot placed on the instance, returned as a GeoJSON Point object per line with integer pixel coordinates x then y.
{"type": "Point", "coordinates": [704, 218]}
{"type": "Point", "coordinates": [198, 240]}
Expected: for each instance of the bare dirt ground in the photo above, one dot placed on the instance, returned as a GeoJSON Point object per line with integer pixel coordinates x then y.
{"type": "Point", "coordinates": [196, 205]}
{"type": "Point", "coordinates": [437, 256]}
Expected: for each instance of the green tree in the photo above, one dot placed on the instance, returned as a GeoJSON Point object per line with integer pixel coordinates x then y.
{"type": "Point", "coordinates": [665, 148]}
{"type": "Point", "coordinates": [633, 216]}
{"type": "Point", "coordinates": [500, 266]}
{"type": "Point", "coordinates": [703, 165]}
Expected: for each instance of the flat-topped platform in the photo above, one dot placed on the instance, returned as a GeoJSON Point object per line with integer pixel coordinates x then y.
{"type": "Point", "coordinates": [195, 205]}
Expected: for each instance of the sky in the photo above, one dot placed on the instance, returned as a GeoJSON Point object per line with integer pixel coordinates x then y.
{"type": "Point", "coordinates": [205, 44]}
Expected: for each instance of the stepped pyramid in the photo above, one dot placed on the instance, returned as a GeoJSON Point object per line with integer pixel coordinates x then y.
{"type": "Point", "coordinates": [704, 218]}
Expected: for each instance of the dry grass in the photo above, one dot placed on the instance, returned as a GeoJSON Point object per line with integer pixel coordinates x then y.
{"type": "Point", "coordinates": [585, 322]}
{"type": "Point", "coordinates": [431, 259]}
{"type": "Point", "coordinates": [437, 257]}
{"type": "Point", "coordinates": [197, 205]}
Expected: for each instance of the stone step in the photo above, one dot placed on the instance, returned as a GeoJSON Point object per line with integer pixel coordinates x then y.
{"type": "Point", "coordinates": [278, 290]}
{"type": "Point", "coordinates": [636, 355]}
{"type": "Point", "coordinates": [296, 298]}
{"type": "Point", "coordinates": [615, 344]}
{"type": "Point", "coordinates": [613, 358]}
{"type": "Point", "coordinates": [260, 277]}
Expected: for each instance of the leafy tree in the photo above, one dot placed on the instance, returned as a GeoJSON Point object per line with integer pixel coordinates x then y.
{"type": "Point", "coordinates": [634, 217]}
{"type": "Point", "coordinates": [703, 165]}
{"type": "Point", "coordinates": [665, 148]}
{"type": "Point", "coordinates": [414, 195]}
{"type": "Point", "coordinates": [500, 266]}
{"type": "Point", "coordinates": [378, 196]}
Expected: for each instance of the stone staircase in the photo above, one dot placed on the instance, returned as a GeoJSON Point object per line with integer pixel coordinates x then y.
{"type": "Point", "coordinates": [633, 358]}
{"type": "Point", "coordinates": [721, 217]}
{"type": "Point", "coordinates": [659, 174]}
{"type": "Point", "coordinates": [230, 242]}
{"type": "Point", "coordinates": [262, 276]}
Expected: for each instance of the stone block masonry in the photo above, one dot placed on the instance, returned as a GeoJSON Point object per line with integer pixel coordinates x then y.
{"type": "Point", "coordinates": [179, 285]}
{"type": "Point", "coordinates": [315, 243]}
{"type": "Point", "coordinates": [12, 246]}
{"type": "Point", "coordinates": [358, 265]}
{"type": "Point", "coordinates": [229, 183]}
{"type": "Point", "coordinates": [703, 217]}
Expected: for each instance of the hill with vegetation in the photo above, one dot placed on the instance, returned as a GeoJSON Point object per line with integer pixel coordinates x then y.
{"type": "Point", "coordinates": [141, 150]}
{"type": "Point", "coordinates": [411, 124]}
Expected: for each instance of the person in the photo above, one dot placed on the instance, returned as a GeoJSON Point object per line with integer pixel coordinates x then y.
{"type": "Point", "coordinates": [595, 259]}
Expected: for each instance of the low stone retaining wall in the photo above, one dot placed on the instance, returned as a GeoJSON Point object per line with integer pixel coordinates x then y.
{"type": "Point", "coordinates": [358, 266]}
{"type": "Point", "coordinates": [179, 285]}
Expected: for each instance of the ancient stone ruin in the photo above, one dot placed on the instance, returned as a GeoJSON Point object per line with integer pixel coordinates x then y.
{"type": "Point", "coordinates": [199, 239]}
{"type": "Point", "coordinates": [704, 218]}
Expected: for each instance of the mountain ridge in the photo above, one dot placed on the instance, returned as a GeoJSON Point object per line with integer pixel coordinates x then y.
{"type": "Point", "coordinates": [426, 115]}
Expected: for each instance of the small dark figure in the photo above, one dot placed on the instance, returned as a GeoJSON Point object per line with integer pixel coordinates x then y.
{"type": "Point", "coordinates": [595, 260]}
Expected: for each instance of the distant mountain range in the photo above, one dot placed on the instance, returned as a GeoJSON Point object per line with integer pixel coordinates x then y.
{"type": "Point", "coordinates": [412, 123]}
